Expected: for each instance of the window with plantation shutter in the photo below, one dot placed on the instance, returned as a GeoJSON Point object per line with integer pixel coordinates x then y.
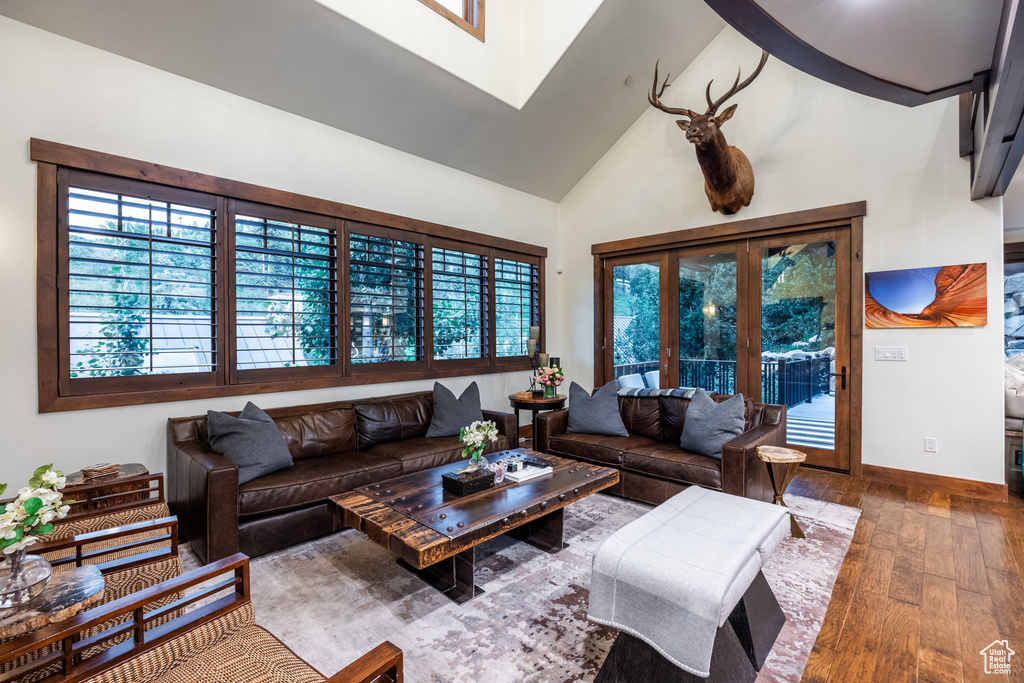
{"type": "Point", "coordinates": [386, 299]}
{"type": "Point", "coordinates": [517, 305]}
{"type": "Point", "coordinates": [285, 284]}
{"type": "Point", "coordinates": [459, 292]}
{"type": "Point", "coordinates": [162, 284]}
{"type": "Point", "coordinates": [141, 272]}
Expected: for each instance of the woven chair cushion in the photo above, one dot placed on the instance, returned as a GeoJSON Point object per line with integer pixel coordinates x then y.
{"type": "Point", "coordinates": [153, 665]}
{"type": "Point", "coordinates": [101, 522]}
{"type": "Point", "coordinates": [249, 656]}
{"type": "Point", "coordinates": [118, 585]}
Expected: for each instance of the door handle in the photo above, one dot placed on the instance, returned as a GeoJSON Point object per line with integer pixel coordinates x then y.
{"type": "Point", "coordinates": [842, 376]}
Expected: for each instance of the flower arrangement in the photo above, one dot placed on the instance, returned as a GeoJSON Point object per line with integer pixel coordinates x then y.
{"type": "Point", "coordinates": [549, 377]}
{"type": "Point", "coordinates": [476, 436]}
{"type": "Point", "coordinates": [31, 514]}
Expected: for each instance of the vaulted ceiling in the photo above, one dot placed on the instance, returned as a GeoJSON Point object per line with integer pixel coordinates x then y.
{"type": "Point", "coordinates": [304, 58]}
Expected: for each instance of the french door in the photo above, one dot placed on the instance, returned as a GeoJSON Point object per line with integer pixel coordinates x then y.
{"type": "Point", "coordinates": [768, 317]}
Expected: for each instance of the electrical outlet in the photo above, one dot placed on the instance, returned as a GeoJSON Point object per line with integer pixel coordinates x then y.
{"type": "Point", "coordinates": [931, 444]}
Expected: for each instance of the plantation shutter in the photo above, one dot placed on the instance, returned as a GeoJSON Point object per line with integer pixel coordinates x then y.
{"type": "Point", "coordinates": [141, 282]}
{"type": "Point", "coordinates": [285, 290]}
{"type": "Point", "coordinates": [459, 289]}
{"type": "Point", "coordinates": [517, 305]}
{"type": "Point", "coordinates": [386, 295]}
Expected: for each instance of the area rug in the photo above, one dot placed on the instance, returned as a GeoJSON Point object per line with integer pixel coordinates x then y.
{"type": "Point", "coordinates": [334, 598]}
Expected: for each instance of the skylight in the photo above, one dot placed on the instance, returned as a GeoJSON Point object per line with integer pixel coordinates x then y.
{"type": "Point", "coordinates": [466, 14]}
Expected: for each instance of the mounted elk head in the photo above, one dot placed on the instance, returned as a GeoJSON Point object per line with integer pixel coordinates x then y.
{"type": "Point", "coordinates": [728, 177]}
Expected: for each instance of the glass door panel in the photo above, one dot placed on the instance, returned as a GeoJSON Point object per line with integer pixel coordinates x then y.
{"type": "Point", "coordinates": [708, 322]}
{"type": "Point", "coordinates": [798, 342]}
{"type": "Point", "coordinates": [636, 324]}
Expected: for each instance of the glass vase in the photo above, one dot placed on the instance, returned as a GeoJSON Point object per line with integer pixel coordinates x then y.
{"type": "Point", "coordinates": [549, 391]}
{"type": "Point", "coordinates": [478, 461]}
{"type": "Point", "coordinates": [22, 577]}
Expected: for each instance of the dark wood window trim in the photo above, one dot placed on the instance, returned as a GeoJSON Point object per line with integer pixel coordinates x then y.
{"type": "Point", "coordinates": [472, 19]}
{"type": "Point", "coordinates": [69, 384]}
{"type": "Point", "coordinates": [53, 159]}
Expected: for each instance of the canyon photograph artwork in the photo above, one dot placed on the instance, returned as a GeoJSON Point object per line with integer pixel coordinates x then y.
{"type": "Point", "coordinates": [942, 296]}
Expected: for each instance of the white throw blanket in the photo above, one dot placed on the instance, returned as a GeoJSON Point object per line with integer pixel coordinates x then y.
{"type": "Point", "coordinates": [672, 577]}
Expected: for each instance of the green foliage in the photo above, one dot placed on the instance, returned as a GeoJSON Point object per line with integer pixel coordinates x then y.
{"type": "Point", "coordinates": [124, 350]}
{"type": "Point", "coordinates": [311, 319]}
{"type": "Point", "coordinates": [703, 335]}
{"type": "Point", "coordinates": [637, 293]}
{"type": "Point", "coordinates": [32, 505]}
{"type": "Point", "coordinates": [798, 301]}
{"type": "Point", "coordinates": [42, 529]}
{"type": "Point", "coordinates": [19, 533]}
{"type": "Point", "coordinates": [37, 477]}
{"type": "Point", "coordinates": [456, 325]}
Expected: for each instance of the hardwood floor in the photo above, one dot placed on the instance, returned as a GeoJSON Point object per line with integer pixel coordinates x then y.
{"type": "Point", "coordinates": [930, 579]}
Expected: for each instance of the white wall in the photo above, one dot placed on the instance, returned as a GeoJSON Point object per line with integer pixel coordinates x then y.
{"type": "Point", "coordinates": [812, 145]}
{"type": "Point", "coordinates": [60, 90]}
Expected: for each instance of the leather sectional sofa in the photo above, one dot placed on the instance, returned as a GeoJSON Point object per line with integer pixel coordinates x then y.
{"type": "Point", "coordinates": [652, 466]}
{"type": "Point", "coordinates": [335, 447]}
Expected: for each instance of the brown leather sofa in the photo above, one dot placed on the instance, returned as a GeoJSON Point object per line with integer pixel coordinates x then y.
{"type": "Point", "coordinates": [336, 447]}
{"type": "Point", "coordinates": [652, 466]}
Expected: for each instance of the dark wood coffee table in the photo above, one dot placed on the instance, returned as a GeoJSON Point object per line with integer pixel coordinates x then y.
{"type": "Point", "coordinates": [435, 533]}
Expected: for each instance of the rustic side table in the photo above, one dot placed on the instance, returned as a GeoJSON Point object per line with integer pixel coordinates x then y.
{"type": "Point", "coordinates": [776, 455]}
{"type": "Point", "coordinates": [534, 405]}
{"type": "Point", "coordinates": [101, 492]}
{"type": "Point", "coordinates": [67, 594]}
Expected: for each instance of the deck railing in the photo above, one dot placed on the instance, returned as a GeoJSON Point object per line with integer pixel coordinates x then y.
{"type": "Point", "coordinates": [787, 382]}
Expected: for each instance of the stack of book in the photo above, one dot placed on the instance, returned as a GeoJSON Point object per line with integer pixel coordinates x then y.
{"type": "Point", "coordinates": [530, 471]}
{"type": "Point", "coordinates": [104, 469]}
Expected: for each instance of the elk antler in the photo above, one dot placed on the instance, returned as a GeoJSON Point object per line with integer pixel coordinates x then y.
{"type": "Point", "coordinates": [736, 86]}
{"type": "Point", "coordinates": [654, 97]}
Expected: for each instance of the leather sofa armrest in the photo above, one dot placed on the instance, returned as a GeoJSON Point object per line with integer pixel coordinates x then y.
{"type": "Point", "coordinates": [743, 473]}
{"type": "Point", "coordinates": [549, 424]}
{"type": "Point", "coordinates": [506, 423]}
{"type": "Point", "coordinates": [205, 499]}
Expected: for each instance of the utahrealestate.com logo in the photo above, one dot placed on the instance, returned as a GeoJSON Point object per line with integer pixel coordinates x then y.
{"type": "Point", "coordinates": [997, 657]}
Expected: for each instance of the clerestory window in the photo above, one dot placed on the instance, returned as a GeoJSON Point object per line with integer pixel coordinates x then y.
{"type": "Point", "coordinates": [466, 14]}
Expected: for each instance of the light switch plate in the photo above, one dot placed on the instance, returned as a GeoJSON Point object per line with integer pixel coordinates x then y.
{"type": "Point", "coordinates": [891, 353]}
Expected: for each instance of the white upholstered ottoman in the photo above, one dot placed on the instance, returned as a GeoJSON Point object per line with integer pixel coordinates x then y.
{"type": "Point", "coordinates": [685, 580]}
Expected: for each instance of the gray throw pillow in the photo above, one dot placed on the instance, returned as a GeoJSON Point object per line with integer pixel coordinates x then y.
{"type": "Point", "coordinates": [597, 414]}
{"type": "Point", "coordinates": [708, 425]}
{"type": "Point", "coordinates": [452, 414]}
{"type": "Point", "coordinates": [252, 441]}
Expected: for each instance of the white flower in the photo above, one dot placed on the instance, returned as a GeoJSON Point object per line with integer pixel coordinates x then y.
{"type": "Point", "coordinates": [54, 481]}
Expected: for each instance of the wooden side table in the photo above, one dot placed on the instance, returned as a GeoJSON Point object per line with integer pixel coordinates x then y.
{"type": "Point", "coordinates": [534, 405]}
{"type": "Point", "coordinates": [775, 455]}
{"type": "Point", "coordinates": [124, 471]}
{"type": "Point", "coordinates": [101, 492]}
{"type": "Point", "coordinates": [67, 594]}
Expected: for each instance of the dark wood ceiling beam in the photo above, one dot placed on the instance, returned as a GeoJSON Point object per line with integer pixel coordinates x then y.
{"type": "Point", "coordinates": [747, 17]}
{"type": "Point", "coordinates": [998, 148]}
